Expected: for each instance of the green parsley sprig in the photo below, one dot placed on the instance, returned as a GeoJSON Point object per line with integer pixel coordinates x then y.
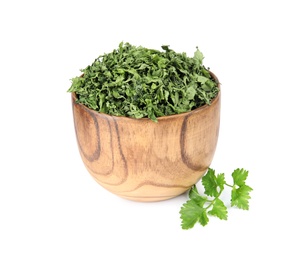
{"type": "Point", "coordinates": [198, 207]}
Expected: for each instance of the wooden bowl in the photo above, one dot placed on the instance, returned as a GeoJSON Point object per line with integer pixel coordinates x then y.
{"type": "Point", "coordinates": [141, 160]}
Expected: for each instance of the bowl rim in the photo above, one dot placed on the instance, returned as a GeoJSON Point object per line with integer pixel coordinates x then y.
{"type": "Point", "coordinates": [161, 118]}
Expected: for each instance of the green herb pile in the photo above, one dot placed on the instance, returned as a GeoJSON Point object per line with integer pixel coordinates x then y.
{"type": "Point", "coordinates": [139, 82]}
{"type": "Point", "coordinates": [198, 207]}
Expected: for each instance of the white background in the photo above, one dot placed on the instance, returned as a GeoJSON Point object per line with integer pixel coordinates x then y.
{"type": "Point", "coordinates": [50, 207]}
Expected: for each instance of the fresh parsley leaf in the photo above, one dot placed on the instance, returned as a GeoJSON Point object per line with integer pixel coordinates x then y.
{"type": "Point", "coordinates": [219, 209]}
{"type": "Point", "coordinates": [240, 197]}
{"type": "Point", "coordinates": [192, 213]}
{"type": "Point", "coordinates": [198, 207]}
{"type": "Point", "coordinates": [240, 191]}
{"type": "Point", "coordinates": [203, 220]}
{"type": "Point", "coordinates": [221, 180]}
{"type": "Point", "coordinates": [239, 176]}
{"type": "Point", "coordinates": [210, 183]}
{"type": "Point", "coordinates": [193, 192]}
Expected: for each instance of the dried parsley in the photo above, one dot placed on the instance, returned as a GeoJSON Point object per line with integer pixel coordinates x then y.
{"type": "Point", "coordinates": [140, 82]}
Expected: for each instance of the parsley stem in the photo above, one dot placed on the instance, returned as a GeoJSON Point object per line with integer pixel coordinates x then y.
{"type": "Point", "coordinates": [229, 185]}
{"type": "Point", "coordinates": [211, 202]}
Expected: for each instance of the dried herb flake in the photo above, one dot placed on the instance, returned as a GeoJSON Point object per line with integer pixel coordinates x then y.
{"type": "Point", "coordinates": [139, 82]}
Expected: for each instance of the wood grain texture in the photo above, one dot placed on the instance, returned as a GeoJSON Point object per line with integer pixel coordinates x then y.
{"type": "Point", "coordinates": [141, 160]}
